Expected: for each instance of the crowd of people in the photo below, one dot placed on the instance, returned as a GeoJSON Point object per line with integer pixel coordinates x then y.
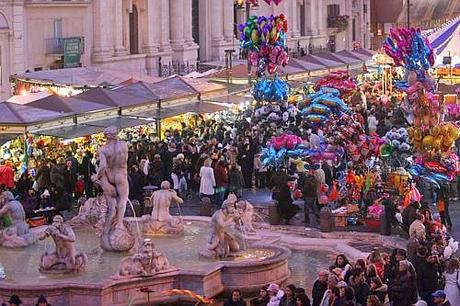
{"type": "Point", "coordinates": [381, 279]}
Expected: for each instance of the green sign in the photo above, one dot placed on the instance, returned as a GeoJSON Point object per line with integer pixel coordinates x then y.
{"type": "Point", "coordinates": [72, 52]}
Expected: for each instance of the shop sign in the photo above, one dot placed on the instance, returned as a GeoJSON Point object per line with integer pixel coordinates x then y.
{"type": "Point", "coordinates": [72, 52]}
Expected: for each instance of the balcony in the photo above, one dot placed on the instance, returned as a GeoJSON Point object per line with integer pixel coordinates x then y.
{"type": "Point", "coordinates": [338, 22]}
{"type": "Point", "coordinates": [55, 46]}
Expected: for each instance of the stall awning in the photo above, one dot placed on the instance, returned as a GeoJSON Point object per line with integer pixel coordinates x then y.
{"type": "Point", "coordinates": [172, 88]}
{"type": "Point", "coordinates": [11, 113]}
{"type": "Point", "coordinates": [67, 104]}
{"type": "Point", "coordinates": [111, 98]}
{"type": "Point", "coordinates": [234, 99]}
{"type": "Point", "coordinates": [120, 122]}
{"type": "Point", "coordinates": [70, 132]}
{"type": "Point", "coordinates": [92, 127]}
{"type": "Point", "coordinates": [82, 77]}
{"type": "Point", "coordinates": [194, 107]}
{"type": "Point", "coordinates": [203, 107]}
{"type": "Point", "coordinates": [339, 57]}
{"type": "Point", "coordinates": [305, 64]}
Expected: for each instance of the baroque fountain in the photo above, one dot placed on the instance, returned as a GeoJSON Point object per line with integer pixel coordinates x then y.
{"type": "Point", "coordinates": [101, 257]}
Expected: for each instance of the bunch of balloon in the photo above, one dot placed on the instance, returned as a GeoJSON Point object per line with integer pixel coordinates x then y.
{"type": "Point", "coordinates": [264, 40]}
{"type": "Point", "coordinates": [431, 137]}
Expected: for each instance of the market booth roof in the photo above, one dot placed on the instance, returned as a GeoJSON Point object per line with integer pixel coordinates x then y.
{"type": "Point", "coordinates": [232, 99]}
{"type": "Point", "coordinates": [200, 107]}
{"type": "Point", "coordinates": [11, 113]}
{"type": "Point", "coordinates": [92, 127]}
{"type": "Point", "coordinates": [341, 58]}
{"type": "Point", "coordinates": [111, 98]}
{"type": "Point", "coordinates": [68, 105]}
{"type": "Point", "coordinates": [80, 77]}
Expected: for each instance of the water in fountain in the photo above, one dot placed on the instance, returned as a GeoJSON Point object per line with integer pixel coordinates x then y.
{"type": "Point", "coordinates": [20, 265]}
{"type": "Point", "coordinates": [139, 233]}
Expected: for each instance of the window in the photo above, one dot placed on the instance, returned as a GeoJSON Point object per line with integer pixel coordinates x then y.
{"type": "Point", "coordinates": [333, 10]}
{"type": "Point", "coordinates": [365, 8]}
{"type": "Point", "coordinates": [353, 24]}
{"type": "Point", "coordinates": [38, 69]}
{"type": "Point", "coordinates": [57, 28]}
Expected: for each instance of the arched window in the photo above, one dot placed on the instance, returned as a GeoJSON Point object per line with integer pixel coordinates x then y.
{"type": "Point", "coordinates": [3, 22]}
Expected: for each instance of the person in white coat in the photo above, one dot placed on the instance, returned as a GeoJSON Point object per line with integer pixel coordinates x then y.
{"type": "Point", "coordinates": [207, 179]}
{"type": "Point", "coordinates": [452, 277]}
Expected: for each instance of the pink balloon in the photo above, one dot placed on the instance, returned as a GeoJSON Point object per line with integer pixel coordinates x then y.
{"type": "Point", "coordinates": [323, 200]}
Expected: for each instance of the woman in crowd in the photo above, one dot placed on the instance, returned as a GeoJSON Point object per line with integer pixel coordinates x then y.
{"type": "Point", "coordinates": [452, 278]}
{"type": "Point", "coordinates": [342, 267]}
{"type": "Point", "coordinates": [207, 180]}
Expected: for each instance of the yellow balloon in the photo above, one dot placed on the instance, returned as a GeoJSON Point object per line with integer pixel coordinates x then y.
{"type": "Point", "coordinates": [454, 132]}
{"type": "Point", "coordinates": [445, 130]}
{"type": "Point", "coordinates": [434, 130]}
{"type": "Point", "coordinates": [447, 142]}
{"type": "Point", "coordinates": [428, 141]}
{"type": "Point", "coordinates": [418, 134]}
{"type": "Point", "coordinates": [410, 131]}
{"type": "Point", "coordinates": [437, 143]}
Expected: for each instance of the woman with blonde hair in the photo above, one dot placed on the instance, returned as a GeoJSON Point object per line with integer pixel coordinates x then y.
{"type": "Point", "coordinates": [207, 179]}
{"type": "Point", "coordinates": [452, 277]}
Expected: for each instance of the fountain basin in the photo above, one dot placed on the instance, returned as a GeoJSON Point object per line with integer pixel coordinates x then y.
{"type": "Point", "coordinates": [259, 265]}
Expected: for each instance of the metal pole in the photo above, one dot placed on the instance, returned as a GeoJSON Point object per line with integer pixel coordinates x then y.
{"type": "Point", "coordinates": [248, 13]}
{"type": "Point", "coordinates": [408, 13]}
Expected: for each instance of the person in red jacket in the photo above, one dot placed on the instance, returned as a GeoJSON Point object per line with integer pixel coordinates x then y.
{"type": "Point", "coordinates": [6, 175]}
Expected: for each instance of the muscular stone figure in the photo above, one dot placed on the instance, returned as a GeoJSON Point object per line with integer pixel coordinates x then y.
{"type": "Point", "coordinates": [64, 258]}
{"type": "Point", "coordinates": [221, 243]}
{"type": "Point", "coordinates": [146, 262]}
{"type": "Point", "coordinates": [112, 176]}
{"type": "Point", "coordinates": [16, 235]}
{"type": "Point", "coordinates": [162, 200]}
{"type": "Point", "coordinates": [161, 221]}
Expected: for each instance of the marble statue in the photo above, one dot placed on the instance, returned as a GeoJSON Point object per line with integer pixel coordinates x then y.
{"type": "Point", "coordinates": [89, 212]}
{"type": "Point", "coordinates": [221, 242]}
{"type": "Point", "coordinates": [17, 234]}
{"type": "Point", "coordinates": [246, 211]}
{"type": "Point", "coordinates": [160, 221]}
{"type": "Point", "coordinates": [112, 176]}
{"type": "Point", "coordinates": [64, 259]}
{"type": "Point", "coordinates": [146, 262]}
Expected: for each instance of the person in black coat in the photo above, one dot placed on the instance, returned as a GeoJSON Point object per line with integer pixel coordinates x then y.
{"type": "Point", "coordinates": [87, 169]}
{"type": "Point", "coordinates": [409, 215]}
{"type": "Point", "coordinates": [319, 287]}
{"type": "Point", "coordinates": [427, 278]}
{"type": "Point", "coordinates": [136, 184]}
{"type": "Point", "coordinates": [286, 208]}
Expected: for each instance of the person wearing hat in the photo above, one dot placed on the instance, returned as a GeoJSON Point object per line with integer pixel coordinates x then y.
{"type": "Point", "coordinates": [42, 301]}
{"type": "Point", "coordinates": [15, 300]}
{"type": "Point", "coordinates": [440, 298]}
{"type": "Point", "coordinates": [46, 200]}
{"type": "Point", "coordinates": [275, 294]}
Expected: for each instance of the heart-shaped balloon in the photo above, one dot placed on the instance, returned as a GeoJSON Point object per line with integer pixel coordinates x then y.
{"type": "Point", "coordinates": [269, 2]}
{"type": "Point", "coordinates": [277, 1]}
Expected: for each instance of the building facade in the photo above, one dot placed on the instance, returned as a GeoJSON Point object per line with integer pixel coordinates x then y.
{"type": "Point", "coordinates": [159, 37]}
